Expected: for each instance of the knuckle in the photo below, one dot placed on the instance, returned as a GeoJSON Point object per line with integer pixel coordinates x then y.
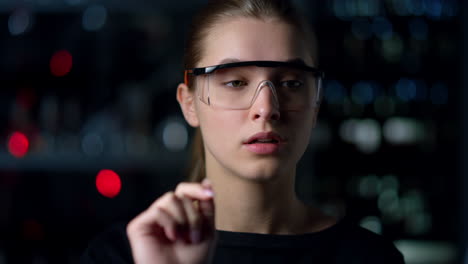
{"type": "Point", "coordinates": [157, 211]}
{"type": "Point", "coordinates": [160, 209]}
{"type": "Point", "coordinates": [162, 218]}
{"type": "Point", "coordinates": [168, 197]}
{"type": "Point", "coordinates": [131, 226]}
{"type": "Point", "coordinates": [181, 187]}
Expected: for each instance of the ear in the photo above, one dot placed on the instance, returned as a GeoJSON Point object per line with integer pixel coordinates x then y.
{"type": "Point", "coordinates": [186, 99]}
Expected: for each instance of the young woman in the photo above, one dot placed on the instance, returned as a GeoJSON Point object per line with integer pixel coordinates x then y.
{"type": "Point", "coordinates": [252, 90]}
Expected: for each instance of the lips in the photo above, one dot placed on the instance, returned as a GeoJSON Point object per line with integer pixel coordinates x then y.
{"type": "Point", "coordinates": [265, 143]}
{"type": "Point", "coordinates": [265, 137]}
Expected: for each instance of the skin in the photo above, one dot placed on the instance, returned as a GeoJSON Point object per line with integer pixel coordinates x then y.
{"type": "Point", "coordinates": [252, 193]}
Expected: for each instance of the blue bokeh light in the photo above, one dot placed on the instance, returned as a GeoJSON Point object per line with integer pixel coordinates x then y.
{"type": "Point", "coordinates": [334, 92]}
{"type": "Point", "coordinates": [405, 89]}
{"type": "Point", "coordinates": [382, 28]}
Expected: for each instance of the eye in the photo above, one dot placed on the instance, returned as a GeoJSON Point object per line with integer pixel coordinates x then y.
{"type": "Point", "coordinates": [293, 84]}
{"type": "Point", "coordinates": [236, 83]}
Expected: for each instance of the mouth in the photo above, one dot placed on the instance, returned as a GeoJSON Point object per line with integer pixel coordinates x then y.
{"type": "Point", "coordinates": [265, 138]}
{"type": "Point", "coordinates": [265, 143]}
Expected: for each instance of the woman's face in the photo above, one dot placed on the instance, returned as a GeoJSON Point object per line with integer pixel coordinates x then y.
{"type": "Point", "coordinates": [225, 132]}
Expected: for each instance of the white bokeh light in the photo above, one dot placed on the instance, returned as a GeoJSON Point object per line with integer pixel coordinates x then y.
{"type": "Point", "coordinates": [94, 17]}
{"type": "Point", "coordinates": [175, 136]}
{"type": "Point", "coordinates": [19, 22]}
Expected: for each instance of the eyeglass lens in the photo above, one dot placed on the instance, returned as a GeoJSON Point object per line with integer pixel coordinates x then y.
{"type": "Point", "coordinates": [237, 87]}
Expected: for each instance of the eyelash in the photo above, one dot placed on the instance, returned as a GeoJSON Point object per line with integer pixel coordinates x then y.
{"type": "Point", "coordinates": [230, 83]}
{"type": "Point", "coordinates": [296, 83]}
{"type": "Point", "coordinates": [293, 83]}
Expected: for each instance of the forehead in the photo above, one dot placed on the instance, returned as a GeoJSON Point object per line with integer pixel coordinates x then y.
{"type": "Point", "coordinates": [248, 39]}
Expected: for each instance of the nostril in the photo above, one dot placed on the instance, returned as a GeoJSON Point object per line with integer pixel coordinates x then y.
{"type": "Point", "coordinates": [267, 115]}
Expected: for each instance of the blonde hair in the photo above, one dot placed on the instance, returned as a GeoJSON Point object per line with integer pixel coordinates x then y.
{"type": "Point", "coordinates": [215, 12]}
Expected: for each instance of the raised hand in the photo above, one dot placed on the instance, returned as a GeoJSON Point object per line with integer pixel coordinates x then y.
{"type": "Point", "coordinates": [178, 228]}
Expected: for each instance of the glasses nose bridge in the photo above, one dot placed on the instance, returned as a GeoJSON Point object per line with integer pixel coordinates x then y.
{"type": "Point", "coordinates": [271, 86]}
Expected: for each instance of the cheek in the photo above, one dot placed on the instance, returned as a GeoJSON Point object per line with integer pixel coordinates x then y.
{"type": "Point", "coordinates": [300, 125]}
{"type": "Point", "coordinates": [221, 127]}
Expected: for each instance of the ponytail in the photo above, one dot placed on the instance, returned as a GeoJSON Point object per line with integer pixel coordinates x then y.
{"type": "Point", "coordinates": [196, 168]}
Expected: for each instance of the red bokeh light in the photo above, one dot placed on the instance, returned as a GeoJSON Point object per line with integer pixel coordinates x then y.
{"type": "Point", "coordinates": [18, 144]}
{"type": "Point", "coordinates": [108, 183]}
{"type": "Point", "coordinates": [61, 63]}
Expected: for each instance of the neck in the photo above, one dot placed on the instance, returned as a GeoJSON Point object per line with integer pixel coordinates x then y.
{"type": "Point", "coordinates": [268, 206]}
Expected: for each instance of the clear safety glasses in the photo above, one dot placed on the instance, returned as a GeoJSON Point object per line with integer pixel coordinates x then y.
{"type": "Point", "coordinates": [293, 85]}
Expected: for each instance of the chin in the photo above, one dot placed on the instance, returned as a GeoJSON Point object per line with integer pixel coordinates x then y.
{"type": "Point", "coordinates": [259, 178]}
{"type": "Point", "coordinates": [261, 173]}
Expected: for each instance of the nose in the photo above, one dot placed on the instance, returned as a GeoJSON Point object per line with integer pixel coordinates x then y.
{"type": "Point", "coordinates": [265, 104]}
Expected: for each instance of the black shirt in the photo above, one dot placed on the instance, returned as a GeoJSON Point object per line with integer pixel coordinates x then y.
{"type": "Point", "coordinates": [341, 243]}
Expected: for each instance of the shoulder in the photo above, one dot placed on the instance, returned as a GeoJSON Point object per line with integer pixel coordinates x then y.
{"type": "Point", "coordinates": [364, 246]}
{"type": "Point", "coordinates": [110, 246]}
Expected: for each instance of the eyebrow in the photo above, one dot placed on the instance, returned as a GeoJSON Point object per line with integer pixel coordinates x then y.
{"type": "Point", "coordinates": [234, 60]}
{"type": "Point", "coordinates": [297, 60]}
{"type": "Point", "coordinates": [229, 60]}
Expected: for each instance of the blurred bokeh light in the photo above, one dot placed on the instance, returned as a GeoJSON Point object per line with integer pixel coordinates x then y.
{"type": "Point", "coordinates": [87, 85]}
{"type": "Point", "coordinates": [108, 183]}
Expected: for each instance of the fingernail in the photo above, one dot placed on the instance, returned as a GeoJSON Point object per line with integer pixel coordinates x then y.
{"type": "Point", "coordinates": [208, 192]}
{"type": "Point", "coordinates": [195, 236]}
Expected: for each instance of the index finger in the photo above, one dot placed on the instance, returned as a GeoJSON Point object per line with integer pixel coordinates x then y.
{"type": "Point", "coordinates": [194, 191]}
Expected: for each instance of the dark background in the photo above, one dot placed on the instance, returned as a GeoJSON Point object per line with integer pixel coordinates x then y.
{"type": "Point", "coordinates": [389, 150]}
